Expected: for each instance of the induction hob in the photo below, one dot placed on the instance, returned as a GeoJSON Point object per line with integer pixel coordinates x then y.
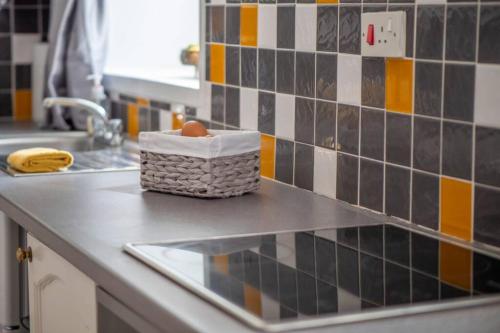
{"type": "Point", "coordinates": [293, 280]}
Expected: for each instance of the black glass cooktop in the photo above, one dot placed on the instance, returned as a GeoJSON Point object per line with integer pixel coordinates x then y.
{"type": "Point", "coordinates": [287, 277]}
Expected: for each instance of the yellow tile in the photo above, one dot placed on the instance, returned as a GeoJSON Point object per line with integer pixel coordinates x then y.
{"type": "Point", "coordinates": [327, 1]}
{"type": "Point", "coordinates": [253, 301]}
{"type": "Point", "coordinates": [456, 205]}
{"type": "Point", "coordinates": [267, 156]}
{"type": "Point", "coordinates": [221, 263]}
{"type": "Point", "coordinates": [22, 105]}
{"type": "Point", "coordinates": [248, 25]}
{"type": "Point", "coordinates": [142, 102]}
{"type": "Point", "coordinates": [177, 121]}
{"type": "Point", "coordinates": [455, 265]}
{"type": "Point", "coordinates": [399, 85]}
{"type": "Point", "coordinates": [133, 120]}
{"type": "Point", "coordinates": [217, 63]}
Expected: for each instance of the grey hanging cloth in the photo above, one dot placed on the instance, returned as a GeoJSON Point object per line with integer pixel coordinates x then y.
{"type": "Point", "coordinates": [77, 48]}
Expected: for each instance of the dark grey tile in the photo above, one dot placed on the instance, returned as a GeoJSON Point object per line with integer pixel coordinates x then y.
{"type": "Point", "coordinates": [448, 291]}
{"type": "Point", "coordinates": [425, 254]}
{"type": "Point", "coordinates": [269, 272]}
{"type": "Point", "coordinates": [208, 24]}
{"type": "Point", "coordinates": [267, 69]}
{"type": "Point", "coordinates": [428, 87]}
{"type": "Point", "coordinates": [372, 279]}
{"type": "Point", "coordinates": [410, 23]}
{"type": "Point", "coordinates": [304, 166]}
{"type": "Point", "coordinates": [286, 27]}
{"type": "Point", "coordinates": [398, 139]}
{"type": "Point", "coordinates": [349, 29]}
{"type": "Point", "coordinates": [326, 267]}
{"type": "Point", "coordinates": [372, 133]}
{"type": "Point", "coordinates": [267, 112]}
{"type": "Point", "coordinates": [5, 104]}
{"type": "Point", "coordinates": [374, 6]}
{"type": "Point", "coordinates": [459, 84]}
{"type": "Point", "coordinates": [347, 178]}
{"type": "Point", "coordinates": [348, 128]}
{"type": "Point", "coordinates": [371, 239]}
{"type": "Point", "coordinates": [233, 65]}
{"type": "Point", "coordinates": [327, 298]}
{"type": "Point", "coordinates": [248, 67]}
{"type": "Point", "coordinates": [397, 192]}
{"type": "Point", "coordinates": [251, 268]}
{"type": "Point", "coordinates": [284, 161]}
{"type": "Point", "coordinates": [426, 144]}
{"type": "Point", "coordinates": [348, 236]}
{"type": "Point", "coordinates": [424, 288]}
{"type": "Point", "coordinates": [144, 119]}
{"type": "Point", "coordinates": [457, 150]}
{"type": "Point", "coordinates": [487, 156]}
{"type": "Point", "coordinates": [397, 284]}
{"type": "Point", "coordinates": [304, 120]}
{"type": "Point", "coordinates": [5, 49]}
{"type": "Point", "coordinates": [304, 74]}
{"type": "Point", "coordinates": [4, 20]}
{"type": "Point", "coordinates": [5, 77]}
{"type": "Point", "coordinates": [371, 186]}
{"type": "Point", "coordinates": [326, 113]}
{"type": "Point", "coordinates": [207, 62]}
{"type": "Point", "coordinates": [285, 72]}
{"type": "Point", "coordinates": [155, 120]}
{"type": "Point", "coordinates": [232, 106]}
{"type": "Point", "coordinates": [461, 23]}
{"type": "Point", "coordinates": [218, 100]}
{"type": "Point", "coordinates": [306, 288]}
{"type": "Point", "coordinates": [489, 43]}
{"type": "Point", "coordinates": [232, 24]}
{"type": "Point", "coordinates": [160, 105]}
{"type": "Point", "coordinates": [217, 21]}
{"type": "Point", "coordinates": [26, 20]}
{"type": "Point", "coordinates": [304, 253]}
{"type": "Point", "coordinates": [486, 281]}
{"type": "Point", "coordinates": [327, 28]}
{"type": "Point", "coordinates": [348, 269]}
{"type": "Point", "coordinates": [287, 286]}
{"type": "Point", "coordinates": [373, 82]}
{"type": "Point", "coordinates": [425, 200]}
{"type": "Point", "coordinates": [397, 244]}
{"type": "Point", "coordinates": [326, 76]}
{"type": "Point", "coordinates": [430, 28]}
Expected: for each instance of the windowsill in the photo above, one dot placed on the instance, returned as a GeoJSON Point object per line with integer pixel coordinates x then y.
{"type": "Point", "coordinates": [174, 85]}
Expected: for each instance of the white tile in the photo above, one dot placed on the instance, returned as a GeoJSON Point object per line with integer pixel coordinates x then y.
{"type": "Point", "coordinates": [487, 99]}
{"type": "Point", "coordinates": [349, 79]}
{"type": "Point", "coordinates": [270, 308]}
{"type": "Point", "coordinates": [285, 116]}
{"type": "Point", "coordinates": [165, 120]}
{"type": "Point", "coordinates": [325, 172]}
{"type": "Point", "coordinates": [347, 302]}
{"type": "Point", "coordinates": [22, 47]}
{"type": "Point", "coordinates": [267, 26]}
{"type": "Point", "coordinates": [305, 28]}
{"type": "Point", "coordinates": [430, 1]}
{"type": "Point", "coordinates": [285, 249]}
{"type": "Point", "coordinates": [218, 2]}
{"type": "Point", "coordinates": [330, 234]}
{"type": "Point", "coordinates": [204, 111]}
{"type": "Point", "coordinates": [249, 103]}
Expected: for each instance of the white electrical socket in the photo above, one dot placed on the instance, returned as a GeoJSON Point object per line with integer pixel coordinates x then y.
{"type": "Point", "coordinates": [389, 34]}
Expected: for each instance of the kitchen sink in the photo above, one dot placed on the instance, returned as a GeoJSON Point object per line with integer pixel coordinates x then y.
{"type": "Point", "coordinates": [90, 155]}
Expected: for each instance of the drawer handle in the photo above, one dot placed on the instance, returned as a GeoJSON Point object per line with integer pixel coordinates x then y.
{"type": "Point", "coordinates": [22, 254]}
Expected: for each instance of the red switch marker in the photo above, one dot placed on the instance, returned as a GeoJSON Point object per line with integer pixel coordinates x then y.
{"type": "Point", "coordinates": [370, 36]}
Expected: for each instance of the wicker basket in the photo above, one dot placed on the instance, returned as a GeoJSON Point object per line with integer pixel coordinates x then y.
{"type": "Point", "coordinates": [212, 177]}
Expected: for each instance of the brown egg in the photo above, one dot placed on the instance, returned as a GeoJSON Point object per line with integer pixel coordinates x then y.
{"type": "Point", "coordinates": [194, 128]}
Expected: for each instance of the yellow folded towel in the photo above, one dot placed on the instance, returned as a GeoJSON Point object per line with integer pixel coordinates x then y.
{"type": "Point", "coordinates": [40, 160]}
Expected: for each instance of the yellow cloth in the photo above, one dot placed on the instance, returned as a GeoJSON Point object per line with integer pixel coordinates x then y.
{"type": "Point", "coordinates": [40, 160]}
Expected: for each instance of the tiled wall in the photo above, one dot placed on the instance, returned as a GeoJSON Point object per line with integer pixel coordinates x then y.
{"type": "Point", "coordinates": [22, 24]}
{"type": "Point", "coordinates": [417, 138]}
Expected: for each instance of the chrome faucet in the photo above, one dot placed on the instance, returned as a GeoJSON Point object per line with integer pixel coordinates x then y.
{"type": "Point", "coordinates": [98, 124]}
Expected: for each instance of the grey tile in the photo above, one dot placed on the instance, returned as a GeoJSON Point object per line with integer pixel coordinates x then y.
{"type": "Point", "coordinates": [232, 106]}
{"type": "Point", "coordinates": [348, 236]}
{"type": "Point", "coordinates": [217, 20]}
{"type": "Point", "coordinates": [397, 244]}
{"type": "Point", "coordinates": [5, 104]}
{"type": "Point", "coordinates": [426, 144]}
{"type": "Point", "coordinates": [5, 49]}
{"type": "Point", "coordinates": [461, 23]}
{"type": "Point", "coordinates": [326, 113]}
{"type": "Point", "coordinates": [217, 103]}
{"type": "Point", "coordinates": [327, 28]}
{"type": "Point", "coordinates": [26, 20]}
{"type": "Point", "coordinates": [144, 119]}
{"type": "Point", "coordinates": [457, 150]}
{"type": "Point", "coordinates": [371, 239]}
{"type": "Point", "coordinates": [267, 65]}
{"type": "Point", "coordinates": [428, 87]}
{"type": "Point", "coordinates": [304, 74]}
{"type": "Point", "coordinates": [233, 65]}
{"type": "Point", "coordinates": [398, 139]}
{"type": "Point", "coordinates": [326, 76]}
{"type": "Point", "coordinates": [348, 269]}
{"type": "Point", "coordinates": [487, 215]}
{"type": "Point", "coordinates": [397, 192]}
{"type": "Point", "coordinates": [208, 24]}
{"type": "Point", "coordinates": [373, 82]}
{"type": "Point", "coordinates": [425, 253]}
{"type": "Point", "coordinates": [207, 62]}
{"type": "Point", "coordinates": [459, 84]}
{"type": "Point", "coordinates": [155, 120]}
{"type": "Point", "coordinates": [248, 67]}
{"type": "Point", "coordinates": [304, 120]}
{"type": "Point", "coordinates": [376, 7]}
{"type": "Point", "coordinates": [304, 253]}
{"type": "Point", "coordinates": [4, 20]}
{"type": "Point", "coordinates": [232, 24]}
{"type": "Point", "coordinates": [430, 31]}
{"type": "Point", "coordinates": [487, 159]}
{"type": "Point", "coordinates": [286, 27]}
{"type": "Point", "coordinates": [425, 200]}
{"type": "Point", "coordinates": [489, 43]}
{"type": "Point", "coordinates": [371, 186]}
{"type": "Point", "coordinates": [347, 178]}
{"type": "Point", "coordinates": [285, 72]}
{"type": "Point", "coordinates": [348, 128]}
{"type": "Point", "coordinates": [5, 77]}
{"type": "Point", "coordinates": [349, 29]}
{"type": "Point", "coordinates": [372, 133]}
{"type": "Point", "coordinates": [284, 161]}
{"type": "Point", "coordinates": [410, 23]}
{"type": "Point", "coordinates": [397, 284]}
{"type": "Point", "coordinates": [304, 166]}
{"type": "Point", "coordinates": [372, 279]}
{"type": "Point", "coordinates": [267, 112]}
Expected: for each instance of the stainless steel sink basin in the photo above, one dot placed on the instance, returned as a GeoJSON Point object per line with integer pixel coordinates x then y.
{"type": "Point", "coordinates": [90, 155]}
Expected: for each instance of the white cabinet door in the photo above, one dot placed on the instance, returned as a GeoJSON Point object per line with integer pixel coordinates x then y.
{"type": "Point", "coordinates": [62, 299]}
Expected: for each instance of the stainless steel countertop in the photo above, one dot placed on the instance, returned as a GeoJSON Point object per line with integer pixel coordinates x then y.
{"type": "Point", "coordinates": [87, 218]}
